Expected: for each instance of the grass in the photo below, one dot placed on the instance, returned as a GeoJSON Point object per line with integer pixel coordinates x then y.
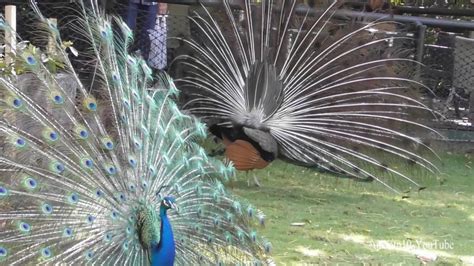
{"type": "Point", "coordinates": [347, 222]}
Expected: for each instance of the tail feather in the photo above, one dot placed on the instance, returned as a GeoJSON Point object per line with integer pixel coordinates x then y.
{"type": "Point", "coordinates": [349, 100]}
{"type": "Point", "coordinates": [81, 159]}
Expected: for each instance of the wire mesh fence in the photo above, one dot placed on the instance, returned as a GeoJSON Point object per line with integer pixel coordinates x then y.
{"type": "Point", "coordinates": [449, 63]}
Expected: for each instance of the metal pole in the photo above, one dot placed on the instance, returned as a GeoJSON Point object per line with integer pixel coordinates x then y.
{"type": "Point", "coordinates": [419, 10]}
{"type": "Point", "coordinates": [432, 22]}
{"type": "Point", "coordinates": [10, 35]}
{"type": "Point", "coordinates": [420, 45]}
{"type": "Point", "coordinates": [233, 3]}
{"type": "Point", "coordinates": [453, 25]}
{"type": "Point", "coordinates": [435, 11]}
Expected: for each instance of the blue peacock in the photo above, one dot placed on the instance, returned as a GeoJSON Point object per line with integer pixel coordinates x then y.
{"type": "Point", "coordinates": [96, 161]}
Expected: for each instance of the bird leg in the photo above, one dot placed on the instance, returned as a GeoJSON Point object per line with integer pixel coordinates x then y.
{"type": "Point", "coordinates": [255, 179]}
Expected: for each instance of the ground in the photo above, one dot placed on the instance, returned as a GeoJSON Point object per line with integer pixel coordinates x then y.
{"type": "Point", "coordinates": [317, 218]}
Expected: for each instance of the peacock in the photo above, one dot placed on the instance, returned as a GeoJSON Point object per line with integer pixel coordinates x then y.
{"type": "Point", "coordinates": [100, 166]}
{"type": "Point", "coordinates": [278, 81]}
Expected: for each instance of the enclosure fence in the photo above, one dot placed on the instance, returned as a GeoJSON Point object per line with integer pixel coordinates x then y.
{"type": "Point", "coordinates": [449, 56]}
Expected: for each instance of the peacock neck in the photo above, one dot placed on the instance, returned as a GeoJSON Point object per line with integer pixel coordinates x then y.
{"type": "Point", "coordinates": [164, 252]}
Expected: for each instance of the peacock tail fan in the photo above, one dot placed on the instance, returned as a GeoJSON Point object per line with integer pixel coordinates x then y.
{"type": "Point", "coordinates": [337, 94]}
{"type": "Point", "coordinates": [85, 164]}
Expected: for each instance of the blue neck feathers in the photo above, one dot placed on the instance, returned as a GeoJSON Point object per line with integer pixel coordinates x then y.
{"type": "Point", "coordinates": [163, 253]}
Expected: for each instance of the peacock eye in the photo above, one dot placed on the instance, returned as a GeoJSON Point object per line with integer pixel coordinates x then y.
{"type": "Point", "coordinates": [90, 219]}
{"type": "Point", "coordinates": [24, 227]}
{"type": "Point", "coordinates": [3, 252]}
{"type": "Point", "coordinates": [46, 252]}
{"type": "Point", "coordinates": [3, 191]}
{"type": "Point", "coordinates": [20, 142]}
{"type": "Point", "coordinates": [58, 99]}
{"type": "Point", "coordinates": [99, 193]}
{"type": "Point", "coordinates": [47, 209]}
{"type": "Point", "coordinates": [83, 133]}
{"type": "Point", "coordinates": [67, 232]}
{"type": "Point", "coordinates": [89, 255]}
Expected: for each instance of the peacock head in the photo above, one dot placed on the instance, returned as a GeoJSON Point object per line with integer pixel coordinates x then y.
{"type": "Point", "coordinates": [169, 202]}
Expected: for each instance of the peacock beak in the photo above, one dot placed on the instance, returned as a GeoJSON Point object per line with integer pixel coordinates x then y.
{"type": "Point", "coordinates": [174, 206]}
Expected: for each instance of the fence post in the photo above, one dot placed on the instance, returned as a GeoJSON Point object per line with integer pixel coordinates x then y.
{"type": "Point", "coordinates": [10, 36]}
{"type": "Point", "coordinates": [420, 47]}
{"type": "Point", "coordinates": [51, 41]}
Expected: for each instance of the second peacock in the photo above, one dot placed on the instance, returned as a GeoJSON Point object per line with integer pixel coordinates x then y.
{"type": "Point", "coordinates": [97, 168]}
{"type": "Point", "coordinates": [276, 81]}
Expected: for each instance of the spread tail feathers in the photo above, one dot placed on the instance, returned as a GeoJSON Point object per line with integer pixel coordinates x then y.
{"type": "Point", "coordinates": [85, 166]}
{"type": "Point", "coordinates": [344, 98]}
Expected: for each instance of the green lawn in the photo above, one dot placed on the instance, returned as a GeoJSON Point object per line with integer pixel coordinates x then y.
{"type": "Point", "coordinates": [346, 222]}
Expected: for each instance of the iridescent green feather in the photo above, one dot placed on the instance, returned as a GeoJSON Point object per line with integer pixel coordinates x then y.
{"type": "Point", "coordinates": [82, 164]}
